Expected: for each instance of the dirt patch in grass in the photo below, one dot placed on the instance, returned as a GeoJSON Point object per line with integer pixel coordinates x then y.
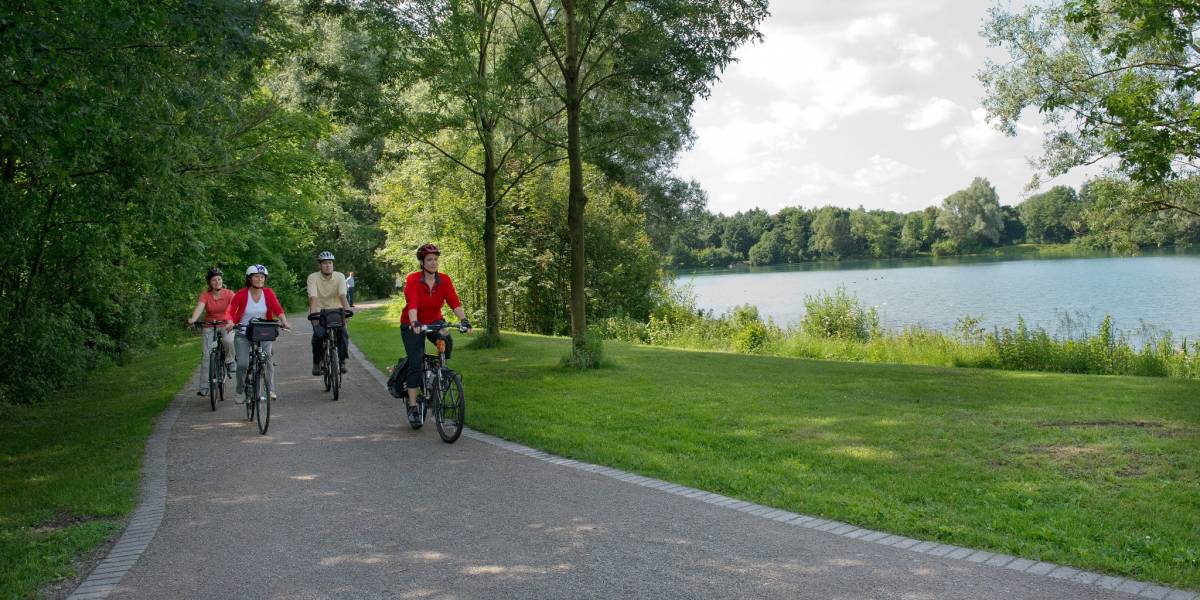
{"type": "Point", "coordinates": [1065, 452]}
{"type": "Point", "coordinates": [1136, 424]}
{"type": "Point", "coordinates": [61, 521]}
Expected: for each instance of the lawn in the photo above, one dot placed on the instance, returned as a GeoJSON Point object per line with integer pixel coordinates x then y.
{"type": "Point", "coordinates": [1097, 472]}
{"type": "Point", "coordinates": [69, 468]}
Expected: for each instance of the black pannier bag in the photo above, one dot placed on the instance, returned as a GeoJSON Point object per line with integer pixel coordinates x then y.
{"type": "Point", "coordinates": [397, 384]}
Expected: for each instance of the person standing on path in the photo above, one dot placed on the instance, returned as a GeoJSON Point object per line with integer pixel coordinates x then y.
{"type": "Point", "coordinates": [214, 303]}
{"type": "Point", "coordinates": [327, 290]}
{"type": "Point", "coordinates": [350, 287]}
{"type": "Point", "coordinates": [255, 301]}
{"type": "Point", "coordinates": [425, 291]}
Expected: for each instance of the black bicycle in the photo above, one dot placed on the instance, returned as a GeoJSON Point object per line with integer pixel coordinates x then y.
{"type": "Point", "coordinates": [331, 319]}
{"type": "Point", "coordinates": [441, 389]}
{"type": "Point", "coordinates": [258, 397]}
{"type": "Point", "coordinates": [217, 369]}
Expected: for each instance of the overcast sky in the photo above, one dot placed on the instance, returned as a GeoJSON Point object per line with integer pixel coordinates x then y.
{"type": "Point", "coordinates": [872, 103]}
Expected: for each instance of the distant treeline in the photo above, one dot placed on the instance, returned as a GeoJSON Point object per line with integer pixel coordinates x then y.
{"type": "Point", "coordinates": [968, 221]}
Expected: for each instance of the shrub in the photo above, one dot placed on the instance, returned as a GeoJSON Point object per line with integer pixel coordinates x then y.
{"type": "Point", "coordinates": [839, 315]}
{"type": "Point", "coordinates": [588, 353]}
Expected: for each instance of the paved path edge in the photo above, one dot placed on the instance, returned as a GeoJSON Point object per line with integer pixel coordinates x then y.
{"type": "Point", "coordinates": [790, 519]}
{"type": "Point", "coordinates": [146, 518]}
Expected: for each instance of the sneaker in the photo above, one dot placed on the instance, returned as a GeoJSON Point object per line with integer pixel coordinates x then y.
{"type": "Point", "coordinates": [414, 414]}
{"type": "Point", "coordinates": [273, 396]}
{"type": "Point", "coordinates": [202, 393]}
{"type": "Point", "coordinates": [316, 369]}
{"type": "Point", "coordinates": [342, 367]}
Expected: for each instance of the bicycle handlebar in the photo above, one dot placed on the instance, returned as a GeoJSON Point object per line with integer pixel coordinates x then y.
{"type": "Point", "coordinates": [209, 323]}
{"type": "Point", "coordinates": [317, 315]}
{"type": "Point", "coordinates": [442, 325]}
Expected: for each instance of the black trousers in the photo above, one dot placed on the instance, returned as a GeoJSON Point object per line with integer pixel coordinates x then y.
{"type": "Point", "coordinates": [343, 342]}
{"type": "Point", "coordinates": [414, 347]}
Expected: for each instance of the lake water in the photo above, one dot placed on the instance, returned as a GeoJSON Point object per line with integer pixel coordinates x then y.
{"type": "Point", "coordinates": [1066, 296]}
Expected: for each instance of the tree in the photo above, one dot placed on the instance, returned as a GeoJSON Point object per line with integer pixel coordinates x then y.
{"type": "Point", "coordinates": [1112, 78]}
{"type": "Point", "coordinates": [1051, 217]}
{"type": "Point", "coordinates": [626, 74]}
{"type": "Point", "coordinates": [768, 250]}
{"type": "Point", "coordinates": [462, 93]}
{"type": "Point", "coordinates": [971, 217]}
{"type": "Point", "coordinates": [831, 233]}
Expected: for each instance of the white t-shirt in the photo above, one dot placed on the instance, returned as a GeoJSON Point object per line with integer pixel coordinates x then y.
{"type": "Point", "coordinates": [254, 310]}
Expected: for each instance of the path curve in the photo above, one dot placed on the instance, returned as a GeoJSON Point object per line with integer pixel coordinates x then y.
{"type": "Point", "coordinates": [344, 500]}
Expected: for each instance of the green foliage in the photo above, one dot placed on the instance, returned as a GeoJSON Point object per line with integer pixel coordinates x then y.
{"type": "Point", "coordinates": [1112, 78]}
{"type": "Point", "coordinates": [586, 353]}
{"type": "Point", "coordinates": [839, 315]}
{"type": "Point", "coordinates": [971, 217]}
{"type": "Point", "coordinates": [139, 147]}
{"type": "Point", "coordinates": [1052, 217]}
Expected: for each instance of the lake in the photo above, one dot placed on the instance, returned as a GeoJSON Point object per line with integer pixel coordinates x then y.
{"type": "Point", "coordinates": [1147, 293]}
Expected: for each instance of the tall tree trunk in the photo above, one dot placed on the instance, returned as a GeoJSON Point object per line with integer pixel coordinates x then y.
{"type": "Point", "coordinates": [576, 198]}
{"type": "Point", "coordinates": [489, 240]}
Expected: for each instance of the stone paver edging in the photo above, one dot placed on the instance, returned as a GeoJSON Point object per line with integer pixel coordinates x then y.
{"type": "Point", "coordinates": [149, 512]}
{"type": "Point", "coordinates": [786, 518]}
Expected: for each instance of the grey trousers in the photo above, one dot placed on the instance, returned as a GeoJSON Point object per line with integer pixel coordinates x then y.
{"type": "Point", "coordinates": [205, 354]}
{"type": "Point", "coordinates": [243, 362]}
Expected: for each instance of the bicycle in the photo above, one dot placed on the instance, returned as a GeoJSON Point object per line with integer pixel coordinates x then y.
{"type": "Point", "coordinates": [258, 397]}
{"type": "Point", "coordinates": [441, 389]}
{"type": "Point", "coordinates": [217, 369]}
{"type": "Point", "coordinates": [331, 368]}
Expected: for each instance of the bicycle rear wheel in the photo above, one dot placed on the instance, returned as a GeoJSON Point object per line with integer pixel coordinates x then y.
{"type": "Point", "coordinates": [262, 401]}
{"type": "Point", "coordinates": [221, 373]}
{"type": "Point", "coordinates": [450, 409]}
{"type": "Point", "coordinates": [214, 376]}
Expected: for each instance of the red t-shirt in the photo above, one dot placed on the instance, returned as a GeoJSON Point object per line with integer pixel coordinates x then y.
{"type": "Point", "coordinates": [216, 307]}
{"type": "Point", "coordinates": [428, 302]}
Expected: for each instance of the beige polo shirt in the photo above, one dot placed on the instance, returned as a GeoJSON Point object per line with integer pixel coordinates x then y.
{"type": "Point", "coordinates": [327, 289]}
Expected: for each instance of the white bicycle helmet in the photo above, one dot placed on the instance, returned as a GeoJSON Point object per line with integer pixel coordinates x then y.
{"type": "Point", "coordinates": [326, 255]}
{"type": "Point", "coordinates": [256, 269]}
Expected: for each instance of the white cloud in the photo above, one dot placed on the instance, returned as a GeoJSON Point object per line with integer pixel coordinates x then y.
{"type": "Point", "coordinates": [979, 146]}
{"type": "Point", "coordinates": [964, 50]}
{"type": "Point", "coordinates": [920, 52]}
{"type": "Point", "coordinates": [869, 27]}
{"type": "Point", "coordinates": [879, 171]}
{"type": "Point", "coordinates": [935, 111]}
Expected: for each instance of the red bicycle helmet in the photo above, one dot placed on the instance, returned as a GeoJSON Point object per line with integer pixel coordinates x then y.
{"type": "Point", "coordinates": [426, 250]}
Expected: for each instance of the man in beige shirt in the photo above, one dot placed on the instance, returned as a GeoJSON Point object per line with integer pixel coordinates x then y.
{"type": "Point", "coordinates": [327, 290]}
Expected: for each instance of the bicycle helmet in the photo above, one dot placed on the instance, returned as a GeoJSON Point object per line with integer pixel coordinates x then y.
{"type": "Point", "coordinates": [256, 269]}
{"type": "Point", "coordinates": [213, 272]}
{"type": "Point", "coordinates": [325, 255]}
{"type": "Point", "coordinates": [426, 250]}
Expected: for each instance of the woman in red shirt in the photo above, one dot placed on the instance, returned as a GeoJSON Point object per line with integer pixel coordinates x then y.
{"type": "Point", "coordinates": [425, 291]}
{"type": "Point", "coordinates": [214, 303]}
{"type": "Point", "coordinates": [255, 301]}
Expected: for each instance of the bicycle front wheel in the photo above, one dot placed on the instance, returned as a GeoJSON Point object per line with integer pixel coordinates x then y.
{"type": "Point", "coordinates": [451, 407]}
{"type": "Point", "coordinates": [248, 392]}
{"type": "Point", "coordinates": [262, 401]}
{"type": "Point", "coordinates": [335, 372]}
{"type": "Point", "coordinates": [214, 377]}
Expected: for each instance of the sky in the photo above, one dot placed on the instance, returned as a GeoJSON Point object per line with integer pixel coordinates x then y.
{"type": "Point", "coordinates": [873, 103]}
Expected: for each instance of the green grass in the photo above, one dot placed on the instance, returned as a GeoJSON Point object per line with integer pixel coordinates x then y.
{"type": "Point", "coordinates": [1097, 472]}
{"type": "Point", "coordinates": [69, 467]}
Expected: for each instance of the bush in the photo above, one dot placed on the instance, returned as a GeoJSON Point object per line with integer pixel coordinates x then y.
{"type": "Point", "coordinates": [587, 353]}
{"type": "Point", "coordinates": [839, 315]}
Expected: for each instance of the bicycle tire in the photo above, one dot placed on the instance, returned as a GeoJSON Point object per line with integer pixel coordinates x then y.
{"type": "Point", "coordinates": [214, 377]}
{"type": "Point", "coordinates": [248, 392]}
{"type": "Point", "coordinates": [335, 372]}
{"type": "Point", "coordinates": [451, 408]}
{"type": "Point", "coordinates": [262, 402]}
{"type": "Point", "coordinates": [325, 371]}
{"type": "Point", "coordinates": [221, 380]}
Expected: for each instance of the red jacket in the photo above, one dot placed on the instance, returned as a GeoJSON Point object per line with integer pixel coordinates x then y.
{"type": "Point", "coordinates": [428, 302]}
{"type": "Point", "coordinates": [237, 306]}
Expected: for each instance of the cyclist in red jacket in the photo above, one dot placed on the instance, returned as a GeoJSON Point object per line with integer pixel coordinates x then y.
{"type": "Point", "coordinates": [255, 301]}
{"type": "Point", "coordinates": [425, 291]}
